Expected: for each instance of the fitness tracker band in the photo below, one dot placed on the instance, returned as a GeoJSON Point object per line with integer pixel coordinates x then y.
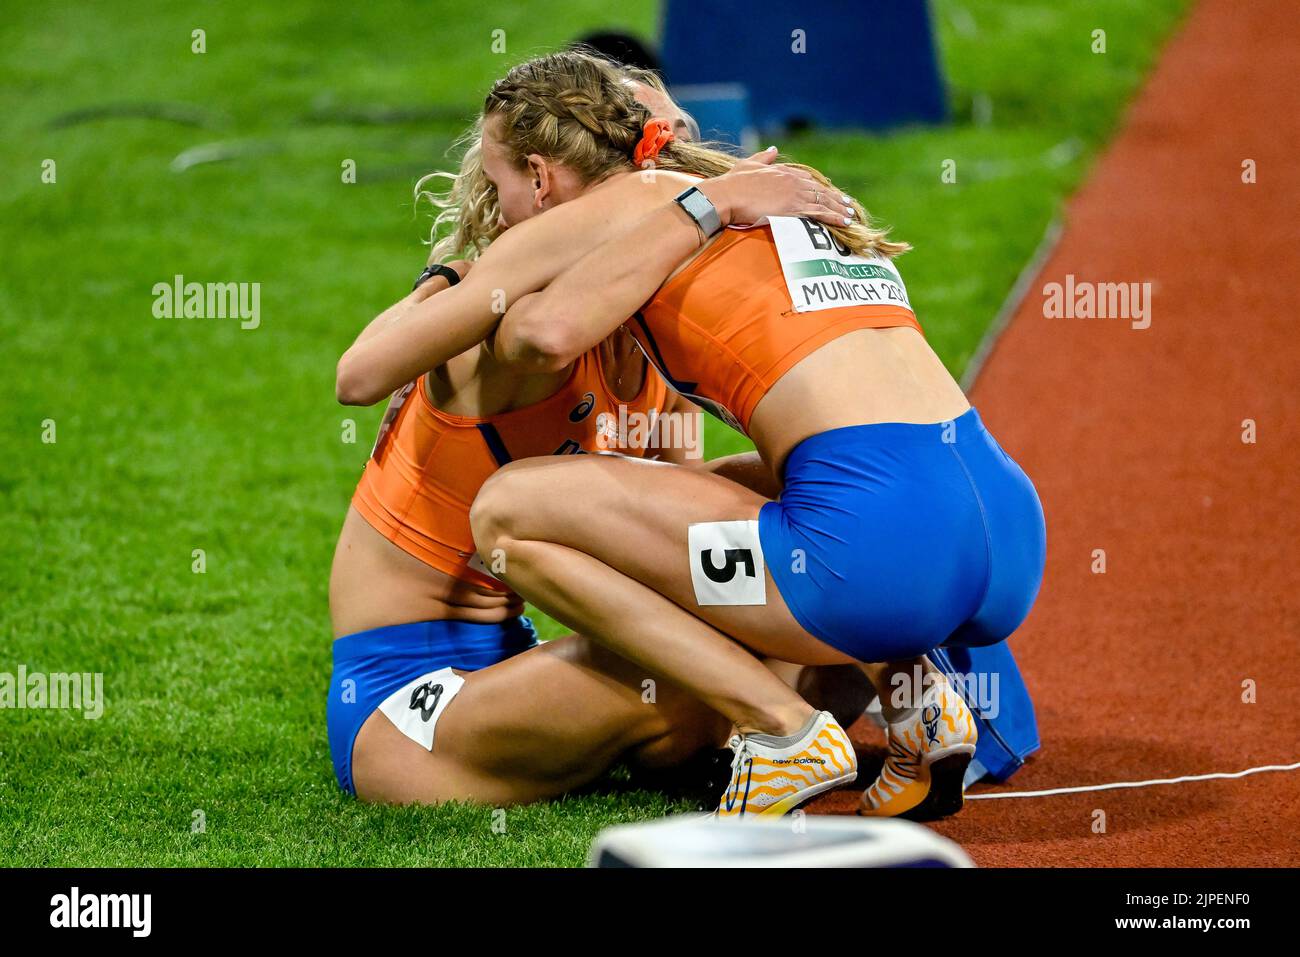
{"type": "Point", "coordinates": [438, 269]}
{"type": "Point", "coordinates": [697, 206]}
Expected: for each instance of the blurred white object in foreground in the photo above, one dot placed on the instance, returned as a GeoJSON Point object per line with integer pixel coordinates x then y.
{"type": "Point", "coordinates": [798, 840]}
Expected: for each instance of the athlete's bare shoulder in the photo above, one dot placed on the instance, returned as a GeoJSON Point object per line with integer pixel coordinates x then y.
{"type": "Point", "coordinates": [475, 384]}
{"type": "Point", "coordinates": [531, 253]}
{"type": "Point", "coordinates": [628, 193]}
{"type": "Point", "coordinates": [652, 185]}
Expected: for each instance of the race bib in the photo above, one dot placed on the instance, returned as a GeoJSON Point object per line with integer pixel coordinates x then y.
{"type": "Point", "coordinates": [416, 708]}
{"type": "Point", "coordinates": [476, 562]}
{"type": "Point", "coordinates": [820, 274]}
{"type": "Point", "coordinates": [395, 403]}
{"type": "Point", "coordinates": [726, 563]}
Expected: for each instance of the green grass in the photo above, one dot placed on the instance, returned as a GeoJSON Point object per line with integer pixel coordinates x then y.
{"type": "Point", "coordinates": [176, 435]}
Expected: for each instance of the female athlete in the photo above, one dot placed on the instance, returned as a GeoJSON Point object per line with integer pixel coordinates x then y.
{"type": "Point", "coordinates": [420, 623]}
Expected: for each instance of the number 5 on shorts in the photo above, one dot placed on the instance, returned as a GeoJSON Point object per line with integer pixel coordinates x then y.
{"type": "Point", "coordinates": [727, 563]}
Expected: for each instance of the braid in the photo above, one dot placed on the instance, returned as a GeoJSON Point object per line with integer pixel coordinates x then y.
{"type": "Point", "coordinates": [579, 110]}
{"type": "Point", "coordinates": [571, 106]}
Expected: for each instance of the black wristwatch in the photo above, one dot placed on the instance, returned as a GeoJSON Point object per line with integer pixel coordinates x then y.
{"type": "Point", "coordinates": [437, 269]}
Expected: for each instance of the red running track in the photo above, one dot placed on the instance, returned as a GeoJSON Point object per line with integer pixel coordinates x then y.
{"type": "Point", "coordinates": [1134, 439]}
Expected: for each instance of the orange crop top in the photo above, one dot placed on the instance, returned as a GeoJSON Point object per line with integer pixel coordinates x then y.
{"type": "Point", "coordinates": [729, 325]}
{"type": "Point", "coordinates": [427, 467]}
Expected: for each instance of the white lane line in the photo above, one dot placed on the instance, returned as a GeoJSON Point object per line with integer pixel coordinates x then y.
{"type": "Point", "coordinates": [1135, 784]}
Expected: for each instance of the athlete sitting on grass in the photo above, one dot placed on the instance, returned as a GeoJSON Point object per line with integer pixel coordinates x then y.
{"type": "Point", "coordinates": [427, 640]}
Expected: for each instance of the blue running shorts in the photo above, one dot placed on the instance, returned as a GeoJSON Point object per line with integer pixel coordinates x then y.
{"type": "Point", "coordinates": [892, 539]}
{"type": "Point", "coordinates": [369, 666]}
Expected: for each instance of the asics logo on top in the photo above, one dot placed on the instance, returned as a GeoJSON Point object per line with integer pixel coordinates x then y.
{"type": "Point", "coordinates": [583, 408]}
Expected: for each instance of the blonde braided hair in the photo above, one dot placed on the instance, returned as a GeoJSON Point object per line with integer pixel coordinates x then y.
{"type": "Point", "coordinates": [580, 111]}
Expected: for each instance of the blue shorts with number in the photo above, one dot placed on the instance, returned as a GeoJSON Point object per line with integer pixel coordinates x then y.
{"type": "Point", "coordinates": [371, 665]}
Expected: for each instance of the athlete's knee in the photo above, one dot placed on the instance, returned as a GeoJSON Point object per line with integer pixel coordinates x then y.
{"type": "Point", "coordinates": [494, 515]}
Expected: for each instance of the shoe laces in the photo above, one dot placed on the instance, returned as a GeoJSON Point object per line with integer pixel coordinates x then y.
{"type": "Point", "coordinates": [741, 752]}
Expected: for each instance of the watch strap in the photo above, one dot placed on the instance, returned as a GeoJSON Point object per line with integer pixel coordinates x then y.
{"type": "Point", "coordinates": [437, 269]}
{"type": "Point", "coordinates": [697, 206]}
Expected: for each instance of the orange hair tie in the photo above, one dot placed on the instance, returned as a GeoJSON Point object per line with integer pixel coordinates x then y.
{"type": "Point", "coordinates": [655, 136]}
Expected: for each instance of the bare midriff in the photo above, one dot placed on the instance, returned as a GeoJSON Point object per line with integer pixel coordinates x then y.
{"type": "Point", "coordinates": [864, 377]}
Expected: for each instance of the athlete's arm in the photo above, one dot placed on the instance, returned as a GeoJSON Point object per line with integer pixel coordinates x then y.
{"type": "Point", "coordinates": [549, 329]}
{"type": "Point", "coordinates": [432, 285]}
{"type": "Point", "coordinates": [520, 261]}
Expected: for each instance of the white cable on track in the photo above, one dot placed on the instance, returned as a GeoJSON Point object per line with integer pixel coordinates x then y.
{"type": "Point", "coordinates": [1135, 784]}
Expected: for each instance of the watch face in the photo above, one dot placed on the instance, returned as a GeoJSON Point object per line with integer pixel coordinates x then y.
{"type": "Point", "coordinates": [699, 208]}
